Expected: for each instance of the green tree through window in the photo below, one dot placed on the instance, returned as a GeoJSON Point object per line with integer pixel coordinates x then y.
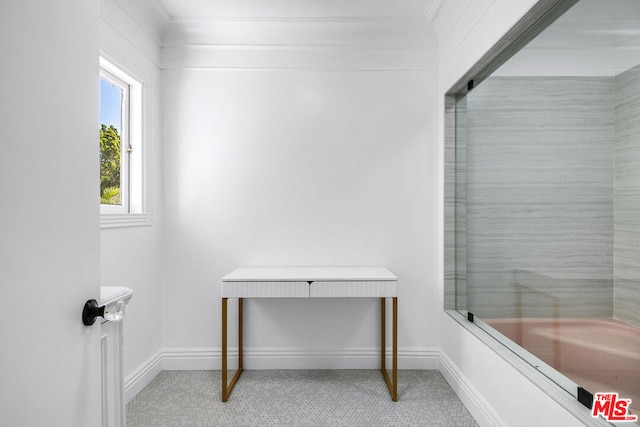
{"type": "Point", "coordinates": [110, 155]}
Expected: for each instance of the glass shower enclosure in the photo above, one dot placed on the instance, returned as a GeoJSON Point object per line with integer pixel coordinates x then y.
{"type": "Point", "coordinates": [542, 201]}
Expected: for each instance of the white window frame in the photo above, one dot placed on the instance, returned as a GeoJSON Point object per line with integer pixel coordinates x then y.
{"type": "Point", "coordinates": [135, 208]}
{"type": "Point", "coordinates": [126, 144]}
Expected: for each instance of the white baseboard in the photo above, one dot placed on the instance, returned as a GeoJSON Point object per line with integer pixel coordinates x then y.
{"type": "Point", "coordinates": [479, 408]}
{"type": "Point", "coordinates": [142, 376]}
{"type": "Point", "coordinates": [189, 359]}
{"type": "Point", "coordinates": [295, 358]}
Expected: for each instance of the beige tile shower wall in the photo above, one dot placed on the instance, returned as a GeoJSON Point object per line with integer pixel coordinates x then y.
{"type": "Point", "coordinates": [627, 198]}
{"type": "Point", "coordinates": [539, 197]}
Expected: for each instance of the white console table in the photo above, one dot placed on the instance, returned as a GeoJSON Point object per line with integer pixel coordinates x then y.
{"type": "Point", "coordinates": [311, 282]}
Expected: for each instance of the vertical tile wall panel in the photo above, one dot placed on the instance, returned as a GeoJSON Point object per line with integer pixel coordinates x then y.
{"type": "Point", "coordinates": [451, 282]}
{"type": "Point", "coordinates": [627, 198]}
{"type": "Point", "coordinates": [540, 197]}
{"type": "Point", "coordinates": [461, 204]}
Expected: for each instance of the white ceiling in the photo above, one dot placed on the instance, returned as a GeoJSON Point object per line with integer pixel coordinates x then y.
{"type": "Point", "coordinates": [594, 24]}
{"type": "Point", "coordinates": [594, 38]}
{"type": "Point", "coordinates": [298, 9]}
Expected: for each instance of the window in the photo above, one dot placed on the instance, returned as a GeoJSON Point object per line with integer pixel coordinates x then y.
{"type": "Point", "coordinates": [115, 144]}
{"type": "Point", "coordinates": [123, 193]}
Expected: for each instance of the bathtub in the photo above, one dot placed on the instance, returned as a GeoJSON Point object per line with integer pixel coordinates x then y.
{"type": "Point", "coordinates": [601, 355]}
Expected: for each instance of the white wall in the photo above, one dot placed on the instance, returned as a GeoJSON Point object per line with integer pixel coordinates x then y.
{"type": "Point", "coordinates": [515, 400]}
{"type": "Point", "coordinates": [297, 156]}
{"type": "Point", "coordinates": [130, 34]}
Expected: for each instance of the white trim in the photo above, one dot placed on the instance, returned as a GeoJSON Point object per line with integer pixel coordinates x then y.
{"type": "Point", "coordinates": [390, 43]}
{"type": "Point", "coordinates": [212, 20]}
{"type": "Point", "coordinates": [298, 358]}
{"type": "Point", "coordinates": [194, 359]}
{"type": "Point", "coordinates": [142, 376]}
{"type": "Point", "coordinates": [148, 16]}
{"type": "Point", "coordinates": [161, 9]}
{"type": "Point", "coordinates": [212, 57]}
{"type": "Point", "coordinates": [433, 11]}
{"type": "Point", "coordinates": [475, 403]}
{"type": "Point", "coordinates": [125, 220]}
{"type": "Point", "coordinates": [136, 70]}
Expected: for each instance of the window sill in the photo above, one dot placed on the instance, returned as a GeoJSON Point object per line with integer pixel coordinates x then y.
{"type": "Point", "coordinates": [125, 220]}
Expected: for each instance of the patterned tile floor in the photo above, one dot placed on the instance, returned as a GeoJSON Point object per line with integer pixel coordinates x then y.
{"type": "Point", "coordinates": [297, 398]}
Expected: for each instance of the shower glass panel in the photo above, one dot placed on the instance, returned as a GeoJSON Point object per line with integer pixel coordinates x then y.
{"type": "Point", "coordinates": [547, 200]}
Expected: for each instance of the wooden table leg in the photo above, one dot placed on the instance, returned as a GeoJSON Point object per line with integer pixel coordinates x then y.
{"type": "Point", "coordinates": [240, 329]}
{"type": "Point", "coordinates": [383, 324]}
{"type": "Point", "coordinates": [392, 383]}
{"type": "Point", "coordinates": [226, 389]}
{"type": "Point", "coordinates": [224, 349]}
{"type": "Point", "coordinates": [394, 392]}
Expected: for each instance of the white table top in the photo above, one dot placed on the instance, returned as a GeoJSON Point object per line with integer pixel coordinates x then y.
{"type": "Point", "coordinates": [306, 274]}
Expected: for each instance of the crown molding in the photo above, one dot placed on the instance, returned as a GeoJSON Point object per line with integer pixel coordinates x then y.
{"type": "Point", "coordinates": [320, 19]}
{"type": "Point", "coordinates": [302, 37]}
{"type": "Point", "coordinates": [433, 10]}
{"type": "Point", "coordinates": [371, 34]}
{"type": "Point", "coordinates": [212, 57]}
{"type": "Point", "coordinates": [294, 9]}
{"type": "Point", "coordinates": [148, 16]}
{"type": "Point", "coordinates": [160, 8]}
